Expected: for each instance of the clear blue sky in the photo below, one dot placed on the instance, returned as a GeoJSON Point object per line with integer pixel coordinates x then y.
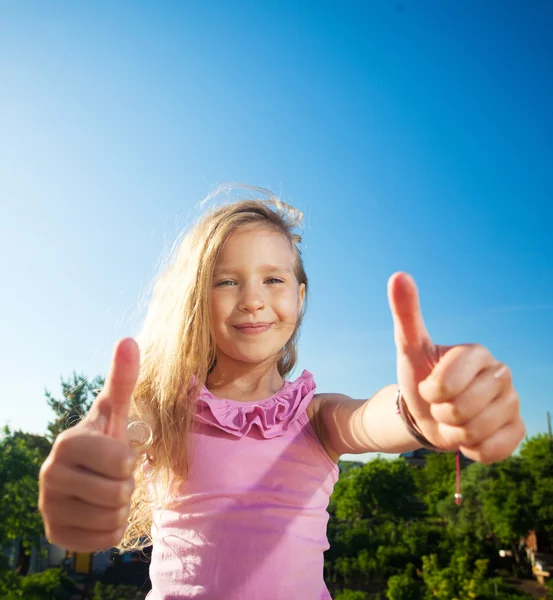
{"type": "Point", "coordinates": [415, 136]}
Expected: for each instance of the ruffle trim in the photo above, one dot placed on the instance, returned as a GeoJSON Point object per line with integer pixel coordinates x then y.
{"type": "Point", "coordinates": [271, 416]}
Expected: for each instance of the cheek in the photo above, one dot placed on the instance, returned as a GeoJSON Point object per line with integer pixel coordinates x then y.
{"type": "Point", "coordinates": [289, 307]}
{"type": "Point", "coordinates": [218, 312]}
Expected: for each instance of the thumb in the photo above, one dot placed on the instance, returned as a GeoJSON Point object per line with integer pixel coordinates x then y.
{"type": "Point", "coordinates": [110, 411]}
{"type": "Point", "coordinates": [410, 332]}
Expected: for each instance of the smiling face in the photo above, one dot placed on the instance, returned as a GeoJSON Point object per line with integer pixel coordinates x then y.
{"type": "Point", "coordinates": [256, 299]}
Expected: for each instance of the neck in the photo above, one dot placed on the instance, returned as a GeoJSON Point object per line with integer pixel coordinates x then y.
{"type": "Point", "coordinates": [244, 382]}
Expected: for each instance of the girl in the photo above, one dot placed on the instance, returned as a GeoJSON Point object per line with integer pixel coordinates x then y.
{"type": "Point", "coordinates": [233, 485]}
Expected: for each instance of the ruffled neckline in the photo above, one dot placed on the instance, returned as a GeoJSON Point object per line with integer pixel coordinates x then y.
{"type": "Point", "coordinates": [271, 416]}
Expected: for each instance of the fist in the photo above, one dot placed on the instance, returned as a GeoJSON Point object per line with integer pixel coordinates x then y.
{"type": "Point", "coordinates": [86, 483]}
{"type": "Point", "coordinates": [460, 396]}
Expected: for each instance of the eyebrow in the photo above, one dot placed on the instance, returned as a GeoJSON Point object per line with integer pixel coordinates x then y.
{"type": "Point", "coordinates": [260, 268]}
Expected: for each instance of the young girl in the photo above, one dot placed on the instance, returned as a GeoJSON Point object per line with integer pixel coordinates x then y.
{"type": "Point", "coordinates": [233, 484]}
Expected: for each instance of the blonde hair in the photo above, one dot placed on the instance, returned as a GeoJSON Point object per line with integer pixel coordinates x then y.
{"type": "Point", "coordinates": [178, 348]}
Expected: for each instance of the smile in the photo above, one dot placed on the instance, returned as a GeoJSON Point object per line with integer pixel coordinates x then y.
{"type": "Point", "coordinates": [253, 328]}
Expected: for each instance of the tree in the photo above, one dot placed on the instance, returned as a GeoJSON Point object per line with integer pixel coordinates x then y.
{"type": "Point", "coordinates": [351, 595]}
{"type": "Point", "coordinates": [506, 504]}
{"type": "Point", "coordinates": [372, 491]}
{"type": "Point", "coordinates": [21, 456]}
{"type": "Point", "coordinates": [404, 586]}
{"type": "Point", "coordinates": [537, 453]}
{"type": "Point", "coordinates": [468, 519]}
{"type": "Point", "coordinates": [78, 394]}
{"type": "Point", "coordinates": [436, 480]}
{"type": "Point", "coordinates": [458, 581]}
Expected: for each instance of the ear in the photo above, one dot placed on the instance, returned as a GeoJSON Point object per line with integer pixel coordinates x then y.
{"type": "Point", "coordinates": [301, 297]}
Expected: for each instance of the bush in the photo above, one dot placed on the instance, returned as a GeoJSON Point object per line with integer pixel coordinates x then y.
{"type": "Point", "coordinates": [51, 584]}
{"type": "Point", "coordinates": [404, 587]}
{"type": "Point", "coordinates": [351, 595]}
{"type": "Point", "coordinates": [116, 592]}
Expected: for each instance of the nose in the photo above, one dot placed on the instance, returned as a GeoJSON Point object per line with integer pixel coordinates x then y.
{"type": "Point", "coordinates": [251, 299]}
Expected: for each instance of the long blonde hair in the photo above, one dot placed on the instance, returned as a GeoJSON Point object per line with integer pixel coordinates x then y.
{"type": "Point", "coordinates": [178, 349]}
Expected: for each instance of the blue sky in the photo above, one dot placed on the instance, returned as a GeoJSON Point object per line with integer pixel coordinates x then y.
{"type": "Point", "coordinates": [414, 136]}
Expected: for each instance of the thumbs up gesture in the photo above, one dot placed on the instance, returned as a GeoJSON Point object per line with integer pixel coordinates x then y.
{"type": "Point", "coordinates": [460, 397]}
{"type": "Point", "coordinates": [86, 483]}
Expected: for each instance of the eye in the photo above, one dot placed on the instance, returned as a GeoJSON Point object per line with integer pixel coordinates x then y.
{"type": "Point", "coordinates": [224, 283]}
{"type": "Point", "coordinates": [274, 280]}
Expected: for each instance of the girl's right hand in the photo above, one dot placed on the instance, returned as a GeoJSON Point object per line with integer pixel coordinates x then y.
{"type": "Point", "coordinates": [86, 483]}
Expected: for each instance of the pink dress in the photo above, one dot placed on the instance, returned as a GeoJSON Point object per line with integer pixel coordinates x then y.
{"type": "Point", "coordinates": [252, 515]}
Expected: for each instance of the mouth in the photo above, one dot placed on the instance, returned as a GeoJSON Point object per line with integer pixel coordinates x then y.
{"type": "Point", "coordinates": [253, 328]}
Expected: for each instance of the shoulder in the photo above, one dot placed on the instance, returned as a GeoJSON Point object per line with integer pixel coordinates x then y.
{"type": "Point", "coordinates": [320, 411]}
{"type": "Point", "coordinates": [325, 399]}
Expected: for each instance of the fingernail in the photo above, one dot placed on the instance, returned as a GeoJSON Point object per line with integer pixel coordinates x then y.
{"type": "Point", "coordinates": [501, 371]}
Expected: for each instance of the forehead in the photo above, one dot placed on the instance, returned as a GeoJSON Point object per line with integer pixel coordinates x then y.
{"type": "Point", "coordinates": [256, 245]}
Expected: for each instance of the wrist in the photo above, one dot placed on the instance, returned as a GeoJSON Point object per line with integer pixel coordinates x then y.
{"type": "Point", "coordinates": [411, 425]}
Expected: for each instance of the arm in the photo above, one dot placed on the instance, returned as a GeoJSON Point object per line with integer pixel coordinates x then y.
{"type": "Point", "coordinates": [459, 397]}
{"type": "Point", "coordinates": [347, 426]}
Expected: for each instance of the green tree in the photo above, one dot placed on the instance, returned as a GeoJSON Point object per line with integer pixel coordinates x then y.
{"type": "Point", "coordinates": [458, 581]}
{"type": "Point", "coordinates": [404, 586]}
{"type": "Point", "coordinates": [21, 456]}
{"type": "Point", "coordinates": [52, 583]}
{"type": "Point", "coordinates": [436, 480]}
{"type": "Point", "coordinates": [78, 394]}
{"type": "Point", "coordinates": [506, 504]}
{"type": "Point", "coordinates": [372, 491]}
{"type": "Point", "coordinates": [537, 453]}
{"type": "Point", "coordinates": [351, 595]}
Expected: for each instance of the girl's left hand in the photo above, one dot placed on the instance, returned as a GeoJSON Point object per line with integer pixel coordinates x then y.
{"type": "Point", "coordinates": [460, 397]}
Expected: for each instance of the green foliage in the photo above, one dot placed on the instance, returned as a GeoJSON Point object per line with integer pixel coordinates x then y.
{"type": "Point", "coordinates": [506, 502]}
{"type": "Point", "coordinates": [468, 518]}
{"type": "Point", "coordinates": [404, 586]}
{"type": "Point", "coordinates": [351, 595]}
{"type": "Point", "coordinates": [458, 581]}
{"type": "Point", "coordinates": [78, 394]}
{"type": "Point", "coordinates": [376, 529]}
{"type": "Point", "coordinates": [537, 454]}
{"type": "Point", "coordinates": [21, 455]}
{"type": "Point", "coordinates": [371, 491]}
{"type": "Point", "coordinates": [116, 592]}
{"type": "Point", "coordinates": [348, 465]}
{"type": "Point", "coordinates": [49, 584]}
{"type": "Point", "coordinates": [436, 481]}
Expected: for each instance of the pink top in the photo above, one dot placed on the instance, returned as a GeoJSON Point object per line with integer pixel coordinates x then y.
{"type": "Point", "coordinates": [251, 519]}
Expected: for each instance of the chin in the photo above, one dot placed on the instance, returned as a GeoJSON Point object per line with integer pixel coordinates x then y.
{"type": "Point", "coordinates": [255, 359]}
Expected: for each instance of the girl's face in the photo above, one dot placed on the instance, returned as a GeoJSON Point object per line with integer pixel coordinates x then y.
{"type": "Point", "coordinates": [256, 299]}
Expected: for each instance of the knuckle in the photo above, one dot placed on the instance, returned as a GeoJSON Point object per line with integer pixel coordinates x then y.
{"type": "Point", "coordinates": [120, 494]}
{"type": "Point", "coordinates": [64, 445]}
{"type": "Point", "coordinates": [456, 415]}
{"type": "Point", "coordinates": [123, 492]}
{"type": "Point", "coordinates": [45, 471]}
{"type": "Point", "coordinates": [114, 538]}
{"type": "Point", "coordinates": [522, 433]}
{"type": "Point", "coordinates": [483, 455]}
{"type": "Point", "coordinates": [122, 516]}
{"type": "Point", "coordinates": [443, 387]}
{"type": "Point", "coordinates": [507, 373]}
{"type": "Point", "coordinates": [486, 458]}
{"type": "Point", "coordinates": [43, 501]}
{"type": "Point", "coordinates": [469, 437]}
{"type": "Point", "coordinates": [513, 404]}
{"type": "Point", "coordinates": [479, 350]}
